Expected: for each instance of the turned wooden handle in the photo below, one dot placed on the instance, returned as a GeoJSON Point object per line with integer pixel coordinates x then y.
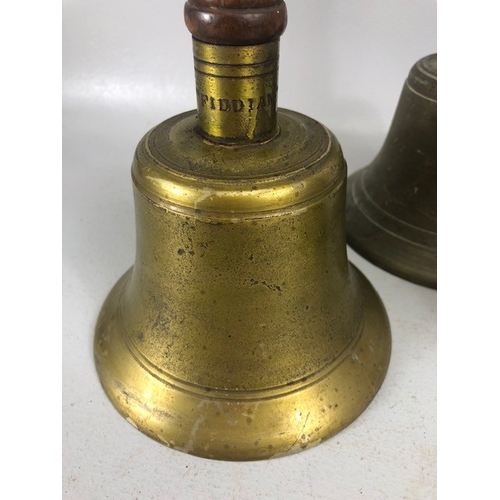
{"type": "Point", "coordinates": [235, 22]}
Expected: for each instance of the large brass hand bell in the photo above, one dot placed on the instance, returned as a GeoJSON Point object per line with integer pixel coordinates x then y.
{"type": "Point", "coordinates": [241, 332]}
{"type": "Point", "coordinates": [391, 203]}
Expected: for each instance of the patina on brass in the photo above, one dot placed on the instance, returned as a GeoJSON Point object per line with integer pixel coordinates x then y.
{"type": "Point", "coordinates": [242, 332]}
{"type": "Point", "coordinates": [391, 203]}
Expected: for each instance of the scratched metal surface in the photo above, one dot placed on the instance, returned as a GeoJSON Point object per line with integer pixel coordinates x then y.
{"type": "Point", "coordinates": [128, 66]}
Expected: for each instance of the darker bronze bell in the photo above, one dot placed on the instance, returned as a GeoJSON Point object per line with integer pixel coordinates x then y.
{"type": "Point", "coordinates": [391, 203]}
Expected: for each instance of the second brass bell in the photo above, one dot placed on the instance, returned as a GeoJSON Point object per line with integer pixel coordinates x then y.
{"type": "Point", "coordinates": [241, 332]}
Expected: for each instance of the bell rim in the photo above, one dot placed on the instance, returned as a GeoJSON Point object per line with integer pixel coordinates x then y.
{"type": "Point", "coordinates": [240, 440]}
{"type": "Point", "coordinates": [410, 254]}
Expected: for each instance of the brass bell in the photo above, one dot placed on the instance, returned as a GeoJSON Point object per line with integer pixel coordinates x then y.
{"type": "Point", "coordinates": [391, 203]}
{"type": "Point", "coordinates": [241, 332]}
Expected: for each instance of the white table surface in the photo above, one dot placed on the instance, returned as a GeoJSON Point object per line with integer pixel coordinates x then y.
{"type": "Point", "coordinates": [128, 66]}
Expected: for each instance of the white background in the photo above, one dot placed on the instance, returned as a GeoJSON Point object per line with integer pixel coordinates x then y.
{"type": "Point", "coordinates": [127, 65]}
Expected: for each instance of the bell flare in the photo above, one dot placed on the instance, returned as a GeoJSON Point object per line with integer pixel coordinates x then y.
{"type": "Point", "coordinates": [391, 214]}
{"type": "Point", "coordinates": [242, 332]}
{"type": "Point", "coordinates": [244, 425]}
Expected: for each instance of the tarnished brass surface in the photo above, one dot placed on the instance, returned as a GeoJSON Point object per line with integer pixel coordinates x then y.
{"type": "Point", "coordinates": [241, 332]}
{"type": "Point", "coordinates": [392, 203]}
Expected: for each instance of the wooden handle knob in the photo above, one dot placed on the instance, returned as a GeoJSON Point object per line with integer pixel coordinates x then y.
{"type": "Point", "coordinates": [235, 22]}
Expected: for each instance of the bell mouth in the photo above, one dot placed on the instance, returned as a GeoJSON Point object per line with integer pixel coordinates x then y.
{"type": "Point", "coordinates": [390, 243]}
{"type": "Point", "coordinates": [253, 425]}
